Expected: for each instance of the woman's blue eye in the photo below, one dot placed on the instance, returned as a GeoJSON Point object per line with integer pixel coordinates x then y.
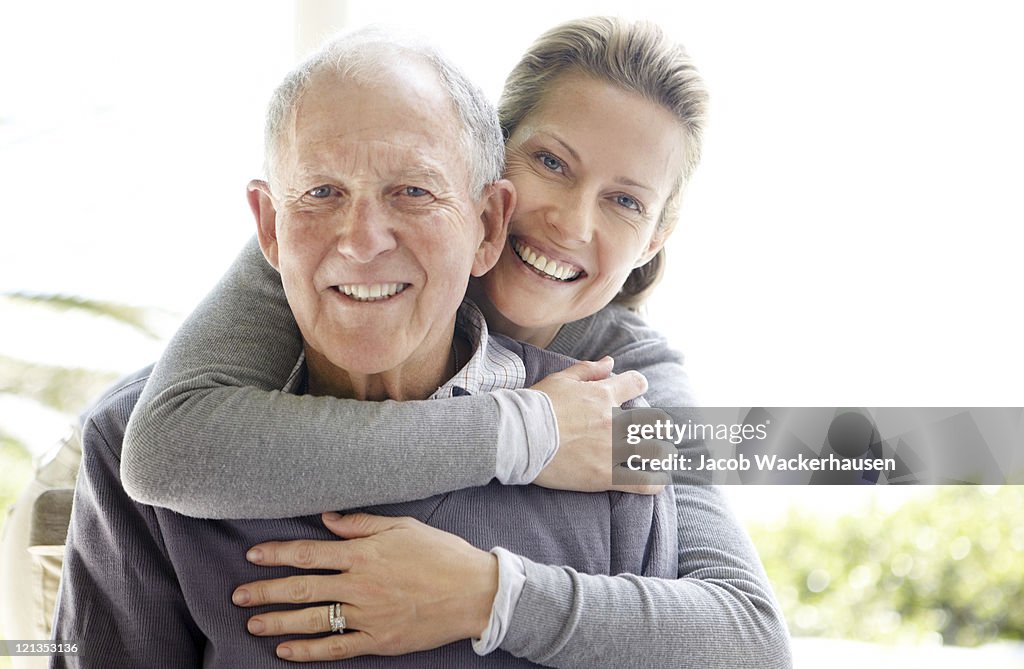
{"type": "Point", "coordinates": [550, 162]}
{"type": "Point", "coordinates": [627, 202]}
{"type": "Point", "coordinates": [321, 192]}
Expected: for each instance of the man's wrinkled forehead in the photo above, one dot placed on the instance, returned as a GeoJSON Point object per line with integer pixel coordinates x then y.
{"type": "Point", "coordinates": [401, 121]}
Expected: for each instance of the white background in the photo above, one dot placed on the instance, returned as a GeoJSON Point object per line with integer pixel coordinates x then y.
{"type": "Point", "coordinates": [852, 237]}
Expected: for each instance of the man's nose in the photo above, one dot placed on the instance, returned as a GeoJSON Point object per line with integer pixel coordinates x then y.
{"type": "Point", "coordinates": [365, 232]}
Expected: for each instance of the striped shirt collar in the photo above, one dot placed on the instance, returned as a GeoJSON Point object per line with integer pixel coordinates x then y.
{"type": "Point", "coordinates": [491, 367]}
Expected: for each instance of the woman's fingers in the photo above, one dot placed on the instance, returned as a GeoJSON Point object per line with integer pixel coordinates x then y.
{"type": "Point", "coordinates": [331, 647]}
{"type": "Point", "coordinates": [311, 620]}
{"type": "Point", "coordinates": [304, 553]}
{"type": "Point", "coordinates": [291, 590]}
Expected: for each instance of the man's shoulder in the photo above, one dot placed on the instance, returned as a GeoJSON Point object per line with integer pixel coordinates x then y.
{"type": "Point", "coordinates": [108, 416]}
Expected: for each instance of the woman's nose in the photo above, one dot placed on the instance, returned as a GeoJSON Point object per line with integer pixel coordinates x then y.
{"type": "Point", "coordinates": [574, 221]}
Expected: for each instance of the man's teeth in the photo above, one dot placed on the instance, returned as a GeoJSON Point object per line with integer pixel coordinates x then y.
{"type": "Point", "coordinates": [370, 292]}
{"type": "Point", "coordinates": [541, 264]}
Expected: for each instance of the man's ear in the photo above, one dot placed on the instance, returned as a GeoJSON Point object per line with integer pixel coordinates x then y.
{"type": "Point", "coordinates": [499, 199]}
{"type": "Point", "coordinates": [262, 206]}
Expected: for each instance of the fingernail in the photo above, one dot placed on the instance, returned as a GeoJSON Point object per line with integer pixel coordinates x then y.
{"type": "Point", "coordinates": [332, 516]}
{"type": "Point", "coordinates": [284, 652]}
{"type": "Point", "coordinates": [254, 555]}
{"type": "Point", "coordinates": [240, 597]}
{"type": "Point", "coordinates": [256, 626]}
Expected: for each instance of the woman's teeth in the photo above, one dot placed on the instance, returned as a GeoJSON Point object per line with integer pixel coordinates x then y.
{"type": "Point", "coordinates": [549, 268]}
{"type": "Point", "coordinates": [370, 292]}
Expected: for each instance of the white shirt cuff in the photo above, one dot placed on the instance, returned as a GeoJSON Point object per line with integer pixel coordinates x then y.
{"type": "Point", "coordinates": [511, 579]}
{"type": "Point", "coordinates": [528, 435]}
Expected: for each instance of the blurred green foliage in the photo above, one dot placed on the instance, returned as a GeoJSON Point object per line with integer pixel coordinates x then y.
{"type": "Point", "coordinates": [66, 390]}
{"type": "Point", "coordinates": [61, 388]}
{"type": "Point", "coordinates": [137, 317]}
{"type": "Point", "coordinates": [947, 565]}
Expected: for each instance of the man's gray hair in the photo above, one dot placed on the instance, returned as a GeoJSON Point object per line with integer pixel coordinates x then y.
{"type": "Point", "coordinates": [358, 55]}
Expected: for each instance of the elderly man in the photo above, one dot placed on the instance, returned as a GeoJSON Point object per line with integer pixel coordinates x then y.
{"type": "Point", "coordinates": [375, 212]}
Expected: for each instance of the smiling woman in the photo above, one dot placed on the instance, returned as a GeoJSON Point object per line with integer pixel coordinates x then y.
{"type": "Point", "coordinates": [594, 166]}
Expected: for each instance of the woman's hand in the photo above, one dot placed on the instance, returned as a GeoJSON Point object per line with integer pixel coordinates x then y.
{"type": "Point", "coordinates": [583, 396]}
{"type": "Point", "coordinates": [404, 587]}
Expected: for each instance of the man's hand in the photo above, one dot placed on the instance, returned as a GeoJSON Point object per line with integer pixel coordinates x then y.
{"type": "Point", "coordinates": [404, 587]}
{"type": "Point", "coordinates": [583, 397]}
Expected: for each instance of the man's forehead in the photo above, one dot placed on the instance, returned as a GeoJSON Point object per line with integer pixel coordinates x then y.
{"type": "Point", "coordinates": [408, 87]}
{"type": "Point", "coordinates": [403, 121]}
{"type": "Point", "coordinates": [434, 162]}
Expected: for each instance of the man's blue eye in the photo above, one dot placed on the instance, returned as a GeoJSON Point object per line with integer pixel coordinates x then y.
{"type": "Point", "coordinates": [414, 191]}
{"type": "Point", "coordinates": [627, 202]}
{"type": "Point", "coordinates": [321, 192]}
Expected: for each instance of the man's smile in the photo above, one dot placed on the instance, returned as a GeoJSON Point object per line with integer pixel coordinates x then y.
{"type": "Point", "coordinates": [371, 292]}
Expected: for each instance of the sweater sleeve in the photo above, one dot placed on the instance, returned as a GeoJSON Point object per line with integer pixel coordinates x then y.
{"type": "Point", "coordinates": [719, 614]}
{"type": "Point", "coordinates": [213, 437]}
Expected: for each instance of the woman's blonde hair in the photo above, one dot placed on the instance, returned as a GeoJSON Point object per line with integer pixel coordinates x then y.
{"type": "Point", "coordinates": [638, 57]}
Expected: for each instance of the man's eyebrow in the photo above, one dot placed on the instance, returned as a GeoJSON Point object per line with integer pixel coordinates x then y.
{"type": "Point", "coordinates": [417, 172]}
{"type": "Point", "coordinates": [423, 172]}
{"type": "Point", "coordinates": [625, 181]}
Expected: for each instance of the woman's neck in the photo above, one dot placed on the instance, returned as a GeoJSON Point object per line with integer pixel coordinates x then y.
{"type": "Point", "coordinates": [540, 337]}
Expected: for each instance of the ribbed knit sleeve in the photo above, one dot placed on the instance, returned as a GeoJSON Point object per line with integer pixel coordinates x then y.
{"type": "Point", "coordinates": [719, 614]}
{"type": "Point", "coordinates": [213, 436]}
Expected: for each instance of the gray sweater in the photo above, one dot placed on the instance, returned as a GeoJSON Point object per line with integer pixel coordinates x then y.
{"type": "Point", "coordinates": [202, 425]}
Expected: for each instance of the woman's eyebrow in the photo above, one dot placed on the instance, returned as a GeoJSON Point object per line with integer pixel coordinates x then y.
{"type": "Point", "coordinates": [568, 149]}
{"type": "Point", "coordinates": [626, 181]}
{"type": "Point", "coordinates": [623, 181]}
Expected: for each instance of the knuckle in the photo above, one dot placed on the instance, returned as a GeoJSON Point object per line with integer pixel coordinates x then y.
{"type": "Point", "coordinates": [299, 590]}
{"type": "Point", "coordinates": [316, 619]}
{"type": "Point", "coordinates": [337, 648]}
{"type": "Point", "coordinates": [305, 553]}
{"type": "Point", "coordinates": [361, 521]}
{"type": "Point", "coordinates": [275, 625]}
{"type": "Point", "coordinates": [260, 593]}
{"type": "Point", "coordinates": [389, 643]}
